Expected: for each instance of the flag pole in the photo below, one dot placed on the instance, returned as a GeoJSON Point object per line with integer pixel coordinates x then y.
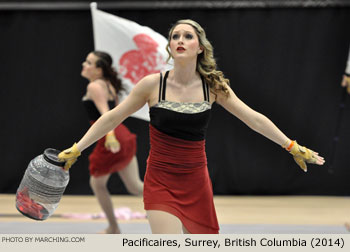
{"type": "Point", "coordinates": [93, 5]}
{"type": "Point", "coordinates": [93, 9]}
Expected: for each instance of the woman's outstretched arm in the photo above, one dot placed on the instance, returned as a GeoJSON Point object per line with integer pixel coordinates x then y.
{"type": "Point", "coordinates": [263, 125]}
{"type": "Point", "coordinates": [111, 119]}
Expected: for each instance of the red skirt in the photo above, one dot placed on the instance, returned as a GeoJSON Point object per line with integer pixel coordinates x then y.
{"type": "Point", "coordinates": [103, 161]}
{"type": "Point", "coordinates": [177, 182]}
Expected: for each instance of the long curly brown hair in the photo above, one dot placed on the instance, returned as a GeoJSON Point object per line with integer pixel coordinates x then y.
{"type": "Point", "coordinates": [206, 64]}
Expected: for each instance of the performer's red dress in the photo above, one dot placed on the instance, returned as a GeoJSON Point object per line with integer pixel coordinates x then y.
{"type": "Point", "coordinates": [177, 179]}
{"type": "Point", "coordinates": [103, 161]}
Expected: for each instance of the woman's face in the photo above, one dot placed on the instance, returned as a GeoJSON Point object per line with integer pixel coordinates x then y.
{"type": "Point", "coordinates": [184, 42]}
{"type": "Point", "coordinates": [90, 71]}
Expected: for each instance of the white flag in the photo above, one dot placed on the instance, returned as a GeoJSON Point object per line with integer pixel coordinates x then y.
{"type": "Point", "coordinates": [136, 50]}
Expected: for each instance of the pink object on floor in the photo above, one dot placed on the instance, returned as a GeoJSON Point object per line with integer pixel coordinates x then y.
{"type": "Point", "coordinates": [122, 213]}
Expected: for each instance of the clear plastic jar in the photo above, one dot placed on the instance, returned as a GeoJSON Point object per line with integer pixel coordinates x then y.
{"type": "Point", "coordinates": [42, 186]}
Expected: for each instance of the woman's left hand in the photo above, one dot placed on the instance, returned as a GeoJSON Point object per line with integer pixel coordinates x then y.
{"type": "Point", "coordinates": [303, 155]}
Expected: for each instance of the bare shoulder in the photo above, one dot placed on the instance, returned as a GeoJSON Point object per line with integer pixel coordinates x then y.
{"type": "Point", "coordinates": [149, 81]}
{"type": "Point", "coordinates": [96, 86]}
{"type": "Point", "coordinates": [147, 88]}
{"type": "Point", "coordinates": [147, 84]}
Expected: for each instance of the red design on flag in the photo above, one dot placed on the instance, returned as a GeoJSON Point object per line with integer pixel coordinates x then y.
{"type": "Point", "coordinates": [136, 64]}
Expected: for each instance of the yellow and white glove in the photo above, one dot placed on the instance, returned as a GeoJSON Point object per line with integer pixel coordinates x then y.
{"type": "Point", "coordinates": [302, 155]}
{"type": "Point", "coordinates": [111, 142]}
{"type": "Point", "coordinates": [69, 156]}
{"type": "Point", "coordinates": [346, 82]}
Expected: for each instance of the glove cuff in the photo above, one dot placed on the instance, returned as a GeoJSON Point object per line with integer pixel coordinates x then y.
{"type": "Point", "coordinates": [290, 146]}
{"type": "Point", "coordinates": [111, 133]}
{"type": "Point", "coordinates": [75, 149]}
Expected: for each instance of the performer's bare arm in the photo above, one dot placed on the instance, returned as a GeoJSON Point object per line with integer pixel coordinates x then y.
{"type": "Point", "coordinates": [251, 118]}
{"type": "Point", "coordinates": [138, 97]}
{"type": "Point", "coordinates": [261, 124]}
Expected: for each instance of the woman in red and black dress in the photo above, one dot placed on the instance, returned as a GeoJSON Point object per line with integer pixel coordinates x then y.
{"type": "Point", "coordinates": [178, 193]}
{"type": "Point", "coordinates": [116, 151]}
{"type": "Point", "coordinates": [177, 164]}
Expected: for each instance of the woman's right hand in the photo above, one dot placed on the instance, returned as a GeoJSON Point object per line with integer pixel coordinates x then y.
{"type": "Point", "coordinates": [69, 156]}
{"type": "Point", "coordinates": [111, 143]}
{"type": "Point", "coordinates": [346, 83]}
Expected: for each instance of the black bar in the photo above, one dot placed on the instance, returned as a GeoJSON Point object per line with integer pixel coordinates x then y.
{"type": "Point", "coordinates": [147, 5]}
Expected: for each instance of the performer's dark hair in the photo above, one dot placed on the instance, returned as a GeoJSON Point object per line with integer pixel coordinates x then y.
{"type": "Point", "coordinates": [105, 63]}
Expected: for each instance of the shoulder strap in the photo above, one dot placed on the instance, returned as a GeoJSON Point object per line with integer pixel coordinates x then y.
{"type": "Point", "coordinates": [109, 90]}
{"type": "Point", "coordinates": [208, 88]}
{"type": "Point", "coordinates": [164, 85]}
{"type": "Point", "coordinates": [205, 89]}
{"type": "Point", "coordinates": [160, 86]}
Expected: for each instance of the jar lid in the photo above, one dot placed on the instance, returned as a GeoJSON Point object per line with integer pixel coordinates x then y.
{"type": "Point", "coordinates": [51, 156]}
